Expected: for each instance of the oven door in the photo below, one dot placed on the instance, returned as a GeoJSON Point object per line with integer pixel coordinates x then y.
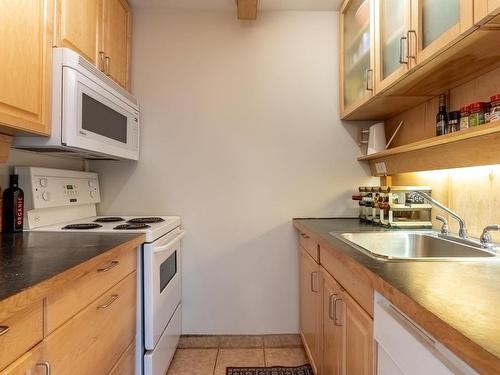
{"type": "Point", "coordinates": [162, 284]}
{"type": "Point", "coordinates": [95, 119]}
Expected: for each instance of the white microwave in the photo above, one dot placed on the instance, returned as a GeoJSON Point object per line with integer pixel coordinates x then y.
{"type": "Point", "coordinates": [92, 116]}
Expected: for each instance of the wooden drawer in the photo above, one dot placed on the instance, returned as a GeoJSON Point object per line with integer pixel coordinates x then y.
{"type": "Point", "coordinates": [62, 304]}
{"type": "Point", "coordinates": [94, 340]}
{"type": "Point", "coordinates": [22, 331]}
{"type": "Point", "coordinates": [29, 364]}
{"type": "Point", "coordinates": [309, 245]}
{"type": "Point", "coordinates": [126, 364]}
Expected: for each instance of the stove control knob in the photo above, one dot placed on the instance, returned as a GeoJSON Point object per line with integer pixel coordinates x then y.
{"type": "Point", "coordinates": [43, 182]}
{"type": "Point", "coordinates": [92, 194]}
{"type": "Point", "coordinates": [45, 196]}
{"type": "Point", "coordinates": [91, 183]}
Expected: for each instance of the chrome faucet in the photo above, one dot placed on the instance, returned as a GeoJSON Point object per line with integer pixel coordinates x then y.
{"type": "Point", "coordinates": [462, 232]}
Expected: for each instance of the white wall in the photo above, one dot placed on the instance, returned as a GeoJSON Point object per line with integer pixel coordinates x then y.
{"type": "Point", "coordinates": [240, 134]}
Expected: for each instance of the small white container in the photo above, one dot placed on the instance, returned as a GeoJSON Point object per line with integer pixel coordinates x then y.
{"type": "Point", "coordinates": [376, 138]}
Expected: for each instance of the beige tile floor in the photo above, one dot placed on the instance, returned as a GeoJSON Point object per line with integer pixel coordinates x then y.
{"type": "Point", "coordinates": [210, 355]}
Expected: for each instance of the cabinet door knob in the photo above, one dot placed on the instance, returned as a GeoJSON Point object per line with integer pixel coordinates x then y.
{"type": "Point", "coordinates": [331, 306]}
{"type": "Point", "coordinates": [109, 302]}
{"type": "Point", "coordinates": [4, 330]}
{"type": "Point", "coordinates": [414, 55]}
{"type": "Point", "coordinates": [401, 48]}
{"type": "Point", "coordinates": [101, 61]}
{"type": "Point", "coordinates": [111, 265]}
{"type": "Point", "coordinates": [108, 64]}
{"type": "Point", "coordinates": [338, 317]}
{"type": "Point", "coordinates": [45, 365]}
{"type": "Point", "coordinates": [314, 276]}
{"type": "Point", "coordinates": [368, 79]}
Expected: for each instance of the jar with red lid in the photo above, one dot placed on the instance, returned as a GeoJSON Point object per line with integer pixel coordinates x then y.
{"type": "Point", "coordinates": [476, 116]}
{"type": "Point", "coordinates": [495, 108]}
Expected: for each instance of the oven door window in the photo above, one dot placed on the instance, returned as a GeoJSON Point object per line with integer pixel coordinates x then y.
{"type": "Point", "coordinates": [168, 269]}
{"type": "Point", "coordinates": [103, 120]}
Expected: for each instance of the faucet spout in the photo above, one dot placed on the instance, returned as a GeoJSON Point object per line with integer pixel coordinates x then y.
{"type": "Point", "coordinates": [462, 233]}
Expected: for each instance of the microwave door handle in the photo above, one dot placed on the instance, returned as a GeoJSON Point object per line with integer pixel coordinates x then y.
{"type": "Point", "coordinates": [159, 249]}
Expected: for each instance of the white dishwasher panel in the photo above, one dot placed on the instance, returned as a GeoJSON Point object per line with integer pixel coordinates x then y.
{"type": "Point", "coordinates": [403, 348]}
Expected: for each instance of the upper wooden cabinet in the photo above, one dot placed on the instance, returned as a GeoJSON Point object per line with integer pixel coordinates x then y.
{"type": "Point", "coordinates": [437, 23]}
{"type": "Point", "coordinates": [484, 10]}
{"type": "Point", "coordinates": [116, 21]}
{"type": "Point", "coordinates": [100, 31]}
{"type": "Point", "coordinates": [77, 24]}
{"type": "Point", "coordinates": [357, 53]}
{"type": "Point", "coordinates": [25, 63]}
{"type": "Point", "coordinates": [391, 41]}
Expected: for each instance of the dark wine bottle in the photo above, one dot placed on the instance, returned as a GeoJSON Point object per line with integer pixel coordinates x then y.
{"type": "Point", "coordinates": [12, 207]}
{"type": "Point", "coordinates": [442, 116]}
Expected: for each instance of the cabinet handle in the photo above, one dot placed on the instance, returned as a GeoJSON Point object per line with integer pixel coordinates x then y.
{"type": "Point", "coordinates": [414, 56]}
{"type": "Point", "coordinates": [331, 306]}
{"type": "Point", "coordinates": [4, 330]}
{"type": "Point", "coordinates": [338, 320]}
{"type": "Point", "coordinates": [101, 61]}
{"type": "Point", "coordinates": [368, 79]}
{"type": "Point", "coordinates": [111, 265]}
{"type": "Point", "coordinates": [313, 277]}
{"type": "Point", "coordinates": [401, 47]}
{"type": "Point", "coordinates": [46, 365]}
{"type": "Point", "coordinates": [109, 302]}
{"type": "Point", "coordinates": [304, 235]}
{"type": "Point", "coordinates": [108, 63]}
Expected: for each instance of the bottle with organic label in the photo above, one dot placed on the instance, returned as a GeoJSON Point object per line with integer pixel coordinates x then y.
{"type": "Point", "coordinates": [12, 207]}
{"type": "Point", "coordinates": [442, 116]}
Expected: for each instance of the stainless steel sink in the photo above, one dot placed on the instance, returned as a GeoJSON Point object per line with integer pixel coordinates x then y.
{"type": "Point", "coordinates": [406, 245]}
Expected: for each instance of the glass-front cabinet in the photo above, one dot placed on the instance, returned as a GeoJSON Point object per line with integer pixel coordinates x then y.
{"type": "Point", "coordinates": [393, 21]}
{"type": "Point", "coordinates": [357, 57]}
{"type": "Point", "coordinates": [436, 23]}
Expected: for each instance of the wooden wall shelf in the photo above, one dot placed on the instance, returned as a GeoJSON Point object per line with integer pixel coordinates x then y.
{"type": "Point", "coordinates": [466, 148]}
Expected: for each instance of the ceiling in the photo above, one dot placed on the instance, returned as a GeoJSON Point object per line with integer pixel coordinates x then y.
{"type": "Point", "coordinates": [230, 4]}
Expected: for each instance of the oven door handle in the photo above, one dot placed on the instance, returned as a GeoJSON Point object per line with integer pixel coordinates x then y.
{"type": "Point", "coordinates": [165, 247]}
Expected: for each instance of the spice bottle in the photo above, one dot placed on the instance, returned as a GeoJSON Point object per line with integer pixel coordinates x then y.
{"type": "Point", "coordinates": [464, 117]}
{"type": "Point", "coordinates": [495, 108]}
{"type": "Point", "coordinates": [476, 116]}
{"type": "Point", "coordinates": [453, 122]}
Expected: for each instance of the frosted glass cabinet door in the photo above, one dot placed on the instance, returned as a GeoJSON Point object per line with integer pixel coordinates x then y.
{"type": "Point", "coordinates": [436, 23]}
{"type": "Point", "coordinates": [356, 53]}
{"type": "Point", "coordinates": [391, 40]}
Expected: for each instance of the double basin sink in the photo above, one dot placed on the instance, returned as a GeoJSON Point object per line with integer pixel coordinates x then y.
{"type": "Point", "coordinates": [414, 245]}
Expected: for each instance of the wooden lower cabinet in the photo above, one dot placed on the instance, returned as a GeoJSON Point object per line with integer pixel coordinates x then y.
{"type": "Point", "coordinates": [95, 339]}
{"type": "Point", "coordinates": [126, 363]}
{"type": "Point", "coordinates": [347, 340]}
{"type": "Point", "coordinates": [310, 313]}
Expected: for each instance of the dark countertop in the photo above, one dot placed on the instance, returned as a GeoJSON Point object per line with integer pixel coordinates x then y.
{"type": "Point", "coordinates": [29, 258]}
{"type": "Point", "coordinates": [463, 294]}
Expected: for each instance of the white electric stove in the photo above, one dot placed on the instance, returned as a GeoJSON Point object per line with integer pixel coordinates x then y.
{"type": "Point", "coordinates": [65, 201]}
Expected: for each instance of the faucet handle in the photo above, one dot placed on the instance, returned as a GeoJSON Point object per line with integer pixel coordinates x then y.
{"type": "Point", "coordinates": [445, 228]}
{"type": "Point", "coordinates": [485, 238]}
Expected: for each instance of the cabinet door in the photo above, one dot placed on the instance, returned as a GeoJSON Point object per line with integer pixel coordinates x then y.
{"type": "Point", "coordinates": [94, 339]}
{"type": "Point", "coordinates": [332, 330]}
{"type": "Point", "coordinates": [26, 63]}
{"type": "Point", "coordinates": [310, 324]}
{"type": "Point", "coordinates": [358, 343]}
{"type": "Point", "coordinates": [393, 20]}
{"type": "Point", "coordinates": [31, 363]}
{"type": "Point", "coordinates": [437, 23]}
{"type": "Point", "coordinates": [116, 21]}
{"type": "Point", "coordinates": [356, 53]}
{"type": "Point", "coordinates": [77, 23]}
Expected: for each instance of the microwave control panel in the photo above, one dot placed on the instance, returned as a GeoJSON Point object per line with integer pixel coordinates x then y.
{"type": "Point", "coordinates": [45, 188]}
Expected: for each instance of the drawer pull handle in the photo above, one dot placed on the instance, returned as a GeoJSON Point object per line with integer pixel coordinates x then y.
{"type": "Point", "coordinates": [112, 264]}
{"type": "Point", "coordinates": [331, 306]}
{"type": "Point", "coordinates": [109, 302]}
{"type": "Point", "coordinates": [4, 330]}
{"type": "Point", "coordinates": [304, 235]}
{"type": "Point", "coordinates": [46, 365]}
{"type": "Point", "coordinates": [314, 277]}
